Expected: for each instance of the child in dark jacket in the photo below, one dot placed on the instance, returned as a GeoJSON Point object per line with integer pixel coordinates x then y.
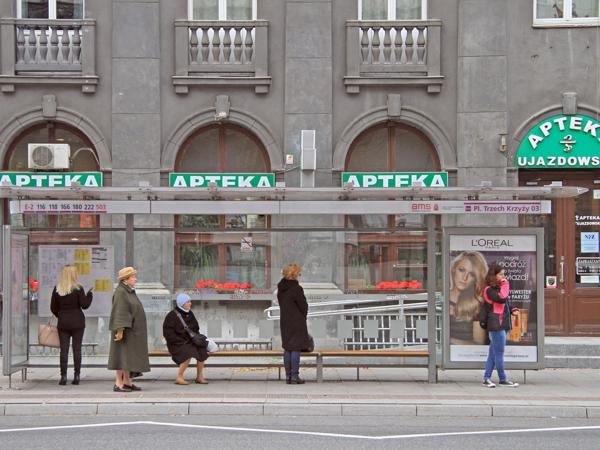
{"type": "Point", "coordinates": [495, 318]}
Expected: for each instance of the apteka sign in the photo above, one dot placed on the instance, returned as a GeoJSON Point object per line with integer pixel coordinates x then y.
{"type": "Point", "coordinates": [561, 142]}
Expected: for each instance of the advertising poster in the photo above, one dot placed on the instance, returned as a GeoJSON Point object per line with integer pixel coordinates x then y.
{"type": "Point", "coordinates": [469, 259]}
{"type": "Point", "coordinates": [95, 264]}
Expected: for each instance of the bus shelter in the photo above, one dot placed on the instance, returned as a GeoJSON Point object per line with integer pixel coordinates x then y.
{"type": "Point", "coordinates": [379, 265]}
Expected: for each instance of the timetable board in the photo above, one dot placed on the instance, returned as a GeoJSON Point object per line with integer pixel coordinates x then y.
{"type": "Point", "coordinates": [95, 264]}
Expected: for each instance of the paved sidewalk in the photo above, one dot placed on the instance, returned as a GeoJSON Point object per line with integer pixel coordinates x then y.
{"type": "Point", "coordinates": [572, 393]}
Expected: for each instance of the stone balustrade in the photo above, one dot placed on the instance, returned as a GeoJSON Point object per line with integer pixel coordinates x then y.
{"type": "Point", "coordinates": [393, 52]}
{"type": "Point", "coordinates": [221, 53]}
{"type": "Point", "coordinates": [63, 51]}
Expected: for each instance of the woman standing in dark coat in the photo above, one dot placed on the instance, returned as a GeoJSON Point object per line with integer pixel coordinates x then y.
{"type": "Point", "coordinates": [179, 342]}
{"type": "Point", "coordinates": [129, 343]}
{"type": "Point", "coordinates": [293, 310]}
{"type": "Point", "coordinates": [67, 302]}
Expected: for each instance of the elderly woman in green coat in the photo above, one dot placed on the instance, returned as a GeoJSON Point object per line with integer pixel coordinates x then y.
{"type": "Point", "coordinates": [129, 336]}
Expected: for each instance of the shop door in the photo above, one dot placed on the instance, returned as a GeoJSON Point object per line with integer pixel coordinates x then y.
{"type": "Point", "coordinates": [571, 260]}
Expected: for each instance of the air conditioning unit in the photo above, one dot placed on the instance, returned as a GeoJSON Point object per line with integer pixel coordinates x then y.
{"type": "Point", "coordinates": [48, 156]}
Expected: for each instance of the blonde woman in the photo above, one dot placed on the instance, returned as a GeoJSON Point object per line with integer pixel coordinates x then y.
{"type": "Point", "coordinates": [467, 277]}
{"type": "Point", "coordinates": [293, 310]}
{"type": "Point", "coordinates": [67, 302]}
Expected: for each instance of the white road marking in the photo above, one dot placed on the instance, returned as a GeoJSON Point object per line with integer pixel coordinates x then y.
{"type": "Point", "coordinates": [309, 433]}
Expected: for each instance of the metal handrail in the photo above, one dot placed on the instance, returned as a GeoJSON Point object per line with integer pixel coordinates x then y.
{"type": "Point", "coordinates": [399, 306]}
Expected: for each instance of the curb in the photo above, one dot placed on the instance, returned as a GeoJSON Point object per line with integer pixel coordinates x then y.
{"type": "Point", "coordinates": [298, 409]}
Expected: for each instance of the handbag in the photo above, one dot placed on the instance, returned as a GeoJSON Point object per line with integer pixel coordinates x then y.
{"type": "Point", "coordinates": [48, 335]}
{"type": "Point", "coordinates": [199, 340]}
{"type": "Point", "coordinates": [310, 347]}
{"type": "Point", "coordinates": [211, 346]}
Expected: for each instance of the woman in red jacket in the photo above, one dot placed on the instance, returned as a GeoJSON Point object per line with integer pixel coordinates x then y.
{"type": "Point", "coordinates": [496, 319]}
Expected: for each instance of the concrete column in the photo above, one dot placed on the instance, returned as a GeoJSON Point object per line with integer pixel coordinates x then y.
{"type": "Point", "coordinates": [482, 106]}
{"type": "Point", "coordinates": [308, 83]}
{"type": "Point", "coordinates": [136, 121]}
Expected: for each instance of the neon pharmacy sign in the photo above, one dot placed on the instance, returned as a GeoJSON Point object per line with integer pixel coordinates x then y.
{"type": "Point", "coordinates": [395, 179]}
{"type": "Point", "coordinates": [50, 179]}
{"type": "Point", "coordinates": [567, 142]}
{"type": "Point", "coordinates": [233, 180]}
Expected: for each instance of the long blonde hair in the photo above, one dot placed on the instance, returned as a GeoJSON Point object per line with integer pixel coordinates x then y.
{"type": "Point", "coordinates": [67, 280]}
{"type": "Point", "coordinates": [469, 302]}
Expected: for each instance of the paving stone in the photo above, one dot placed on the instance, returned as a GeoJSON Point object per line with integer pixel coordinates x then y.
{"type": "Point", "coordinates": [63, 409]}
{"type": "Point", "coordinates": [539, 411]}
{"type": "Point", "coordinates": [454, 410]}
{"type": "Point", "coordinates": [379, 410]}
{"type": "Point", "coordinates": [226, 409]}
{"type": "Point", "coordinates": [296, 409]}
{"type": "Point", "coordinates": [143, 408]}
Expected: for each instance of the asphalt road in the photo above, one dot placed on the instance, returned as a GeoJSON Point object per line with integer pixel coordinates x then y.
{"type": "Point", "coordinates": [254, 432]}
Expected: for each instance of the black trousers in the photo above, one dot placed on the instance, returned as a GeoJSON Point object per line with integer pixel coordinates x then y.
{"type": "Point", "coordinates": [65, 337]}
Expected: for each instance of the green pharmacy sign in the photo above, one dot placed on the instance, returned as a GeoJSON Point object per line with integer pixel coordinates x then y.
{"type": "Point", "coordinates": [232, 180]}
{"type": "Point", "coordinates": [561, 142]}
{"type": "Point", "coordinates": [395, 179]}
{"type": "Point", "coordinates": [50, 179]}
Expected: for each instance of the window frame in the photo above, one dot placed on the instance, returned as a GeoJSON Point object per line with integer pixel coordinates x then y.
{"type": "Point", "coordinates": [222, 10]}
{"type": "Point", "coordinates": [392, 10]}
{"type": "Point", "coordinates": [567, 20]}
{"type": "Point", "coordinates": [52, 8]}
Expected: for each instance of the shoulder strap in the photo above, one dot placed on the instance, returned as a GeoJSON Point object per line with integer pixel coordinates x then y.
{"type": "Point", "coordinates": [185, 327]}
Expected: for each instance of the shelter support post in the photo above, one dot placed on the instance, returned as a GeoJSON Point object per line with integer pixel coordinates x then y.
{"type": "Point", "coordinates": [431, 289]}
{"type": "Point", "coordinates": [129, 240]}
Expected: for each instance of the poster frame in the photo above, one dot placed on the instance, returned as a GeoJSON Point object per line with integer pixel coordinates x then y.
{"type": "Point", "coordinates": [493, 231]}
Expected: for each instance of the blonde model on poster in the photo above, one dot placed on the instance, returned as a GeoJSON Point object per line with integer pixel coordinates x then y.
{"type": "Point", "coordinates": [467, 281]}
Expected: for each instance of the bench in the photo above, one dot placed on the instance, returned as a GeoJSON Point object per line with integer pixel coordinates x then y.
{"type": "Point", "coordinates": [320, 359]}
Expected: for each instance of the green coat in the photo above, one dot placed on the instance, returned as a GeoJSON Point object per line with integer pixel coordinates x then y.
{"type": "Point", "coordinates": [130, 353]}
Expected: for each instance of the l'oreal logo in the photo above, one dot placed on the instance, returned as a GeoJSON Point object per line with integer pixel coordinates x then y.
{"type": "Point", "coordinates": [490, 243]}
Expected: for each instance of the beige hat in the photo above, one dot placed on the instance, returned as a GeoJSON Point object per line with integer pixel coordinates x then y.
{"type": "Point", "coordinates": [126, 272]}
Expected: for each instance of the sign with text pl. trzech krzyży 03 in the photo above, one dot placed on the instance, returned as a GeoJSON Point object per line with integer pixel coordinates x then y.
{"type": "Point", "coordinates": [561, 142]}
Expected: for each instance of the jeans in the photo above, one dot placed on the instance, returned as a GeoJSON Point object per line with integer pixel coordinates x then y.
{"type": "Point", "coordinates": [64, 336]}
{"type": "Point", "coordinates": [291, 362]}
{"type": "Point", "coordinates": [496, 355]}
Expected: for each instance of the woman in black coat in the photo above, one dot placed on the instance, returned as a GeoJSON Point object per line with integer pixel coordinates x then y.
{"type": "Point", "coordinates": [67, 302]}
{"type": "Point", "coordinates": [179, 341]}
{"type": "Point", "coordinates": [293, 310]}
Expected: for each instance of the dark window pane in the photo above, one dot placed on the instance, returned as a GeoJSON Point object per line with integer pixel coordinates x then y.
{"type": "Point", "coordinates": [34, 9]}
{"type": "Point", "coordinates": [239, 10]}
{"type": "Point", "coordinates": [69, 9]}
{"type": "Point", "coordinates": [369, 152]}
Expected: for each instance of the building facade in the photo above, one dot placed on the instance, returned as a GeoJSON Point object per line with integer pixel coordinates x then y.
{"type": "Point", "coordinates": [308, 91]}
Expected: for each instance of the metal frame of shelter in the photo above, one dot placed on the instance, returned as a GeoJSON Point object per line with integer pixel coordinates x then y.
{"type": "Point", "coordinates": [430, 202]}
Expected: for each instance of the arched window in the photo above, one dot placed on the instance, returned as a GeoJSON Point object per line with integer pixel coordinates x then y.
{"type": "Point", "coordinates": [84, 161]}
{"type": "Point", "coordinates": [388, 247]}
{"type": "Point", "coordinates": [209, 247]}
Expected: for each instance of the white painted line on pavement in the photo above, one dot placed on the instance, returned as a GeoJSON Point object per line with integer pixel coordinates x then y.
{"type": "Point", "coordinates": [309, 433]}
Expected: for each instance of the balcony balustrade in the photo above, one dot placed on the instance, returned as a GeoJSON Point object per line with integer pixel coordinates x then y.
{"type": "Point", "coordinates": [41, 52]}
{"type": "Point", "coordinates": [393, 52]}
{"type": "Point", "coordinates": [209, 53]}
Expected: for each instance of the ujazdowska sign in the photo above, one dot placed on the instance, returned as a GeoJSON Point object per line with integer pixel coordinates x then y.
{"type": "Point", "coordinates": [233, 180]}
{"type": "Point", "coordinates": [561, 142]}
{"type": "Point", "coordinates": [395, 179]}
{"type": "Point", "coordinates": [50, 179]}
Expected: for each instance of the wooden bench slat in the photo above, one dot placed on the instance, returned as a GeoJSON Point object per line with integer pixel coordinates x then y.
{"type": "Point", "coordinates": [372, 353]}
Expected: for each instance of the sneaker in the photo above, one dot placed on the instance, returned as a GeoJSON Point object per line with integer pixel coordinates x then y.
{"type": "Point", "coordinates": [489, 383]}
{"type": "Point", "coordinates": [508, 383]}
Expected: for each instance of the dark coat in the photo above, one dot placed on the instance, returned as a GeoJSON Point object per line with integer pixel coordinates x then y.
{"type": "Point", "coordinates": [496, 310]}
{"type": "Point", "coordinates": [293, 311]}
{"type": "Point", "coordinates": [68, 308]}
{"type": "Point", "coordinates": [178, 340]}
{"type": "Point", "coordinates": [131, 352]}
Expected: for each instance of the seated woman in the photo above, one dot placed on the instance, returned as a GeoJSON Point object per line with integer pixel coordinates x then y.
{"type": "Point", "coordinates": [179, 342]}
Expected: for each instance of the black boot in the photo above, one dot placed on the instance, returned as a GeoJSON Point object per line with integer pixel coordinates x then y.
{"type": "Point", "coordinates": [63, 380]}
{"type": "Point", "coordinates": [75, 379]}
{"type": "Point", "coordinates": [288, 380]}
{"type": "Point", "coordinates": [297, 380]}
